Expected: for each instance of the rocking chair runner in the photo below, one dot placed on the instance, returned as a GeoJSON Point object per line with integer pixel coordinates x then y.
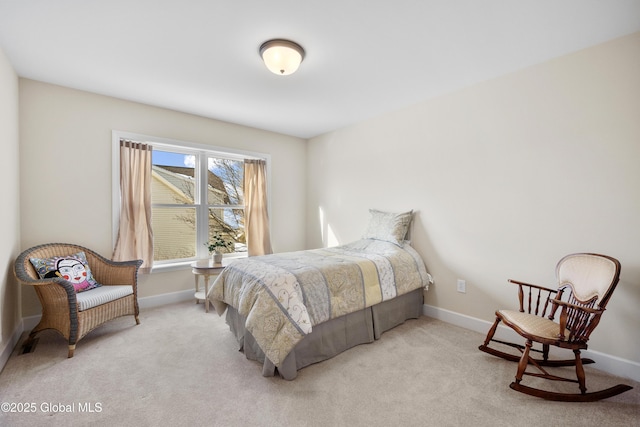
{"type": "Point", "coordinates": [585, 284]}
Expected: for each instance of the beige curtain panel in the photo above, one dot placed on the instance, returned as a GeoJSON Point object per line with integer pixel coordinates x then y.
{"type": "Point", "coordinates": [256, 215]}
{"type": "Point", "coordinates": [135, 235]}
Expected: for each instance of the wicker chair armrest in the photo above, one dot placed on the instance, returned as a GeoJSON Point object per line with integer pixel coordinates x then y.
{"type": "Point", "coordinates": [25, 279]}
{"type": "Point", "coordinates": [57, 288]}
{"type": "Point", "coordinates": [108, 272]}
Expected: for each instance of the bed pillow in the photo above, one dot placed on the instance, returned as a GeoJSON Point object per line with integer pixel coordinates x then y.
{"type": "Point", "coordinates": [388, 226]}
{"type": "Point", "coordinates": [73, 268]}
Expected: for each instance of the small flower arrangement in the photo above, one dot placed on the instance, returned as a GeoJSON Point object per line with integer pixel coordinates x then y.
{"type": "Point", "coordinates": [218, 242]}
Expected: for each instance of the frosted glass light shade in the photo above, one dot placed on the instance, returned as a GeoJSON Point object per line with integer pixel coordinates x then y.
{"type": "Point", "coordinates": [282, 57]}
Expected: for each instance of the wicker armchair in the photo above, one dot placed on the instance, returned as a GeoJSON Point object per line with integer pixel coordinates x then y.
{"type": "Point", "coordinates": [118, 295]}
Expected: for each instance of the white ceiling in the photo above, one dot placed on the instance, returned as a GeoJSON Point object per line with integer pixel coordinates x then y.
{"type": "Point", "coordinates": [363, 57]}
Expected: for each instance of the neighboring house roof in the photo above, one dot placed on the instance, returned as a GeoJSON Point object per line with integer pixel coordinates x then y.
{"type": "Point", "coordinates": [214, 180]}
{"type": "Point", "coordinates": [175, 175]}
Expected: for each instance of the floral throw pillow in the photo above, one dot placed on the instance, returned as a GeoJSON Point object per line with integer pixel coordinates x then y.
{"type": "Point", "coordinates": [388, 226]}
{"type": "Point", "coordinates": [73, 268]}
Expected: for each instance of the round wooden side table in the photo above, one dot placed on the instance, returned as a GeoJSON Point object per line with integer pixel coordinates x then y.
{"type": "Point", "coordinates": [204, 268]}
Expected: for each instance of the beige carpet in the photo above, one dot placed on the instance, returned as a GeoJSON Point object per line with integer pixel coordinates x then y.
{"type": "Point", "coordinates": [181, 367]}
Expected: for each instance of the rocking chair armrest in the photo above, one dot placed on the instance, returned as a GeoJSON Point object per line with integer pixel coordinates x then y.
{"type": "Point", "coordinates": [517, 282]}
{"type": "Point", "coordinates": [533, 298]}
{"type": "Point", "coordinates": [578, 321]}
{"type": "Point", "coordinates": [565, 305]}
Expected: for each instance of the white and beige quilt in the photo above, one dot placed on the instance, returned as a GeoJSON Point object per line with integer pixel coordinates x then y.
{"type": "Point", "coordinates": [283, 296]}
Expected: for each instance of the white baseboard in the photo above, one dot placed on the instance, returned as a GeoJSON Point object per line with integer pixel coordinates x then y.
{"type": "Point", "coordinates": [605, 362]}
{"type": "Point", "coordinates": [11, 344]}
{"type": "Point", "coordinates": [164, 299]}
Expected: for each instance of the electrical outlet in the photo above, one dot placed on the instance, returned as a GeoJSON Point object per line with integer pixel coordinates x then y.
{"type": "Point", "coordinates": [462, 286]}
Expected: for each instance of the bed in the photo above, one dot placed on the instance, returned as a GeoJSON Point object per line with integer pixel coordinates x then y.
{"type": "Point", "coordinates": [293, 309]}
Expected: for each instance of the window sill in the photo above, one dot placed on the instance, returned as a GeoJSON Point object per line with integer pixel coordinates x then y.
{"type": "Point", "coordinates": [186, 265]}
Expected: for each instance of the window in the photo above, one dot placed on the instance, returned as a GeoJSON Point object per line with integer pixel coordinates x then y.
{"type": "Point", "coordinates": [196, 193]}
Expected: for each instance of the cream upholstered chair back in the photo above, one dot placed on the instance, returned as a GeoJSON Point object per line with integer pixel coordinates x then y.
{"type": "Point", "coordinates": [589, 276]}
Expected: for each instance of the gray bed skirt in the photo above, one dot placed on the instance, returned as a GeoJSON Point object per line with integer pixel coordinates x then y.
{"type": "Point", "coordinates": [333, 337]}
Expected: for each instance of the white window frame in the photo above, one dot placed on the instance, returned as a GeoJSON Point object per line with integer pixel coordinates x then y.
{"type": "Point", "coordinates": [201, 151]}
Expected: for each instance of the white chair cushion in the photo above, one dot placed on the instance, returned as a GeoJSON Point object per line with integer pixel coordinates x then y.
{"type": "Point", "coordinates": [533, 325]}
{"type": "Point", "coordinates": [101, 295]}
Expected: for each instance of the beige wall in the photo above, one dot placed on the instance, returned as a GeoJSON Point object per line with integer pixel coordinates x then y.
{"type": "Point", "coordinates": [65, 171]}
{"type": "Point", "coordinates": [10, 313]}
{"type": "Point", "coordinates": [506, 176]}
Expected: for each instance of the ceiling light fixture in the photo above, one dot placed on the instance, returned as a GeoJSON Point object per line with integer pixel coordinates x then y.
{"type": "Point", "coordinates": [282, 57]}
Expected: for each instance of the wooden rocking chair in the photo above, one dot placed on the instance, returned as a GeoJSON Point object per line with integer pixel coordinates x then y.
{"type": "Point", "coordinates": [586, 281]}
